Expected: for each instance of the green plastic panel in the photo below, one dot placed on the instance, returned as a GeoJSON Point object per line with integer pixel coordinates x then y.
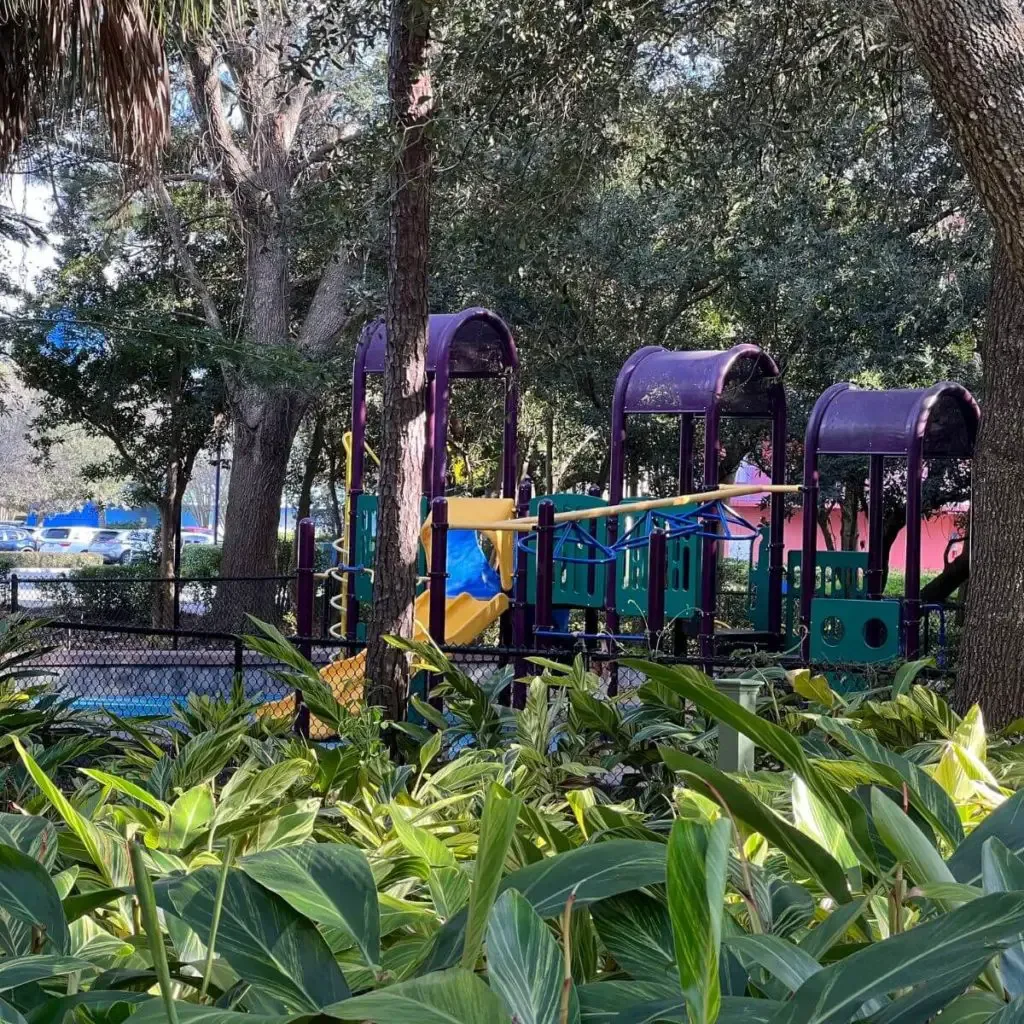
{"type": "Point", "coordinates": [854, 631]}
{"type": "Point", "coordinates": [839, 575]}
{"type": "Point", "coordinates": [366, 542]}
{"type": "Point", "coordinates": [576, 585]}
{"type": "Point", "coordinates": [682, 573]}
{"type": "Point", "coordinates": [757, 601]}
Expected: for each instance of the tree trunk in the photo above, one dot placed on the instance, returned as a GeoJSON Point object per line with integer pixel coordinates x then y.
{"type": "Point", "coordinates": [259, 464]}
{"type": "Point", "coordinates": [825, 525]}
{"type": "Point", "coordinates": [991, 670]}
{"type": "Point", "coordinates": [853, 499]}
{"type": "Point", "coordinates": [973, 51]}
{"type": "Point", "coordinates": [405, 374]}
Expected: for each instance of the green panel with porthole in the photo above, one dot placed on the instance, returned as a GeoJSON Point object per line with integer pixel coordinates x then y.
{"type": "Point", "coordinates": [857, 631]}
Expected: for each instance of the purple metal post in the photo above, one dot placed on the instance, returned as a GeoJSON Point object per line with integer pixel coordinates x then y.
{"type": "Point", "coordinates": [545, 565]}
{"type": "Point", "coordinates": [912, 588]}
{"type": "Point", "coordinates": [657, 560]}
{"type": "Point", "coordinates": [510, 437]}
{"type": "Point", "coordinates": [685, 476]}
{"type": "Point", "coordinates": [709, 555]}
{"type": "Point", "coordinates": [442, 396]}
{"type": "Point", "coordinates": [876, 486]}
{"type": "Point", "coordinates": [520, 638]}
{"type": "Point", "coordinates": [428, 437]}
{"type": "Point", "coordinates": [809, 547]}
{"type": "Point", "coordinates": [438, 572]}
{"type": "Point", "coordinates": [305, 594]}
{"type": "Point", "coordinates": [777, 516]}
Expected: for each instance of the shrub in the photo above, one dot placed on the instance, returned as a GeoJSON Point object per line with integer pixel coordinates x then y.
{"type": "Point", "coordinates": [200, 560]}
{"type": "Point", "coordinates": [103, 593]}
{"type": "Point", "coordinates": [11, 561]}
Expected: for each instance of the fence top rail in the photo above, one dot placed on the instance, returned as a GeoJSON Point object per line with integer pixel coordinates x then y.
{"type": "Point", "coordinates": [101, 627]}
{"type": "Point", "coordinates": [126, 580]}
{"type": "Point", "coordinates": [527, 523]}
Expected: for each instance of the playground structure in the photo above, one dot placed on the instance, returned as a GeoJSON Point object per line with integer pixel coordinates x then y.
{"type": "Point", "coordinates": [642, 560]}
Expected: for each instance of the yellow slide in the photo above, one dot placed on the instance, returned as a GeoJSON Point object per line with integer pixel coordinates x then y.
{"type": "Point", "coordinates": [466, 617]}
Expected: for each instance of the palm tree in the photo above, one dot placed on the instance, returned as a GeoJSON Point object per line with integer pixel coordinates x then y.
{"type": "Point", "coordinates": [109, 52]}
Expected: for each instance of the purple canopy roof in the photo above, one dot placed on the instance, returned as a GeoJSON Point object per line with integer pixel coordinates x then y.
{"type": "Point", "coordinates": [850, 421]}
{"type": "Point", "coordinates": [659, 380]}
{"type": "Point", "coordinates": [477, 342]}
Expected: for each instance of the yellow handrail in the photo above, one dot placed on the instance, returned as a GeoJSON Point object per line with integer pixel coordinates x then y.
{"type": "Point", "coordinates": [346, 443]}
{"type": "Point", "coordinates": [727, 491]}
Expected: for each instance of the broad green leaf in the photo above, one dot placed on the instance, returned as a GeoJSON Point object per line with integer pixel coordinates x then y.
{"type": "Point", "coordinates": [187, 815]}
{"type": "Point", "coordinates": [154, 1012]}
{"type": "Point", "coordinates": [907, 673]}
{"type": "Point", "coordinates": [83, 903]}
{"type": "Point", "coordinates": [820, 939]}
{"type": "Point", "coordinates": [449, 884]}
{"type": "Point", "coordinates": [641, 1002]}
{"type": "Point", "coordinates": [974, 1008]}
{"type": "Point", "coordinates": [203, 757]}
{"type": "Point", "coordinates": [926, 795]}
{"type": "Point", "coordinates": [907, 842]}
{"type": "Point", "coordinates": [958, 941]}
{"type": "Point", "coordinates": [814, 859]}
{"type": "Point", "coordinates": [813, 817]}
{"type": "Point", "coordinates": [970, 734]}
{"type": "Point", "coordinates": [24, 969]}
{"type": "Point", "coordinates": [698, 859]}
{"type": "Point", "coordinates": [287, 825]}
{"type": "Point", "coordinates": [1005, 823]}
{"type": "Point", "coordinates": [590, 873]}
{"type": "Point", "coordinates": [267, 942]}
{"type": "Point", "coordinates": [64, 881]}
{"type": "Point", "coordinates": [259, 788]}
{"type": "Point", "coordinates": [31, 834]}
{"type": "Point", "coordinates": [690, 684]}
{"type": "Point", "coordinates": [924, 1001]}
{"type": "Point", "coordinates": [637, 931]}
{"type": "Point", "coordinates": [525, 965]}
{"type": "Point", "coordinates": [106, 851]}
{"type": "Point", "coordinates": [447, 997]}
{"type": "Point", "coordinates": [1012, 1013]}
{"type": "Point", "coordinates": [28, 894]}
{"type": "Point", "coordinates": [1003, 871]}
{"type": "Point", "coordinates": [127, 788]}
{"type": "Point", "coordinates": [329, 883]}
{"type": "Point", "coordinates": [497, 826]}
{"type": "Point", "coordinates": [783, 960]}
{"type": "Point", "coordinates": [57, 1010]}
{"type": "Point", "coordinates": [812, 687]}
{"type": "Point", "coordinates": [947, 894]}
{"type": "Point", "coordinates": [10, 1014]}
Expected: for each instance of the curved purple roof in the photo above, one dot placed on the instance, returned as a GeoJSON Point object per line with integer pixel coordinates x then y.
{"type": "Point", "coordinates": [477, 342]}
{"type": "Point", "coordinates": [659, 380]}
{"type": "Point", "coordinates": [847, 420]}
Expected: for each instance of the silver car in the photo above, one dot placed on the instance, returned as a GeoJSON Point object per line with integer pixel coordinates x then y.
{"type": "Point", "coordinates": [65, 540]}
{"type": "Point", "coordinates": [121, 546]}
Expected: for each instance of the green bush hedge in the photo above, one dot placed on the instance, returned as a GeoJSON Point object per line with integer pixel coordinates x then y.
{"type": "Point", "coordinates": [102, 593]}
{"type": "Point", "coordinates": [200, 560]}
{"type": "Point", "coordinates": [12, 560]}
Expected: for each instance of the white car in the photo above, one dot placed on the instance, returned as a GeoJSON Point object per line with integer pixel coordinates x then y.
{"type": "Point", "coordinates": [66, 540]}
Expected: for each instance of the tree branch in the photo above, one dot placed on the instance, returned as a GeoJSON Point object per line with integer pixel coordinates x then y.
{"type": "Point", "coordinates": [328, 313]}
{"type": "Point", "coordinates": [188, 265]}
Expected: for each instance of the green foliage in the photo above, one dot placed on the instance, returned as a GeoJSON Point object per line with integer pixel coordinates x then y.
{"type": "Point", "coordinates": [200, 560]}
{"type": "Point", "coordinates": [14, 560]}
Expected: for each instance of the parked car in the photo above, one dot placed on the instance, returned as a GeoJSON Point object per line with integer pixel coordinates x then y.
{"type": "Point", "coordinates": [66, 540]}
{"type": "Point", "coordinates": [111, 545]}
{"type": "Point", "coordinates": [194, 537]}
{"type": "Point", "coordinates": [122, 546]}
{"type": "Point", "coordinates": [14, 538]}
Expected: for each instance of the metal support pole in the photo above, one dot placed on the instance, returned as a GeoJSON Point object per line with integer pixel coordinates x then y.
{"type": "Point", "coordinates": [305, 596]}
{"type": "Point", "coordinates": [736, 750]}
{"type": "Point", "coordinates": [912, 591]}
{"type": "Point", "coordinates": [657, 554]}
{"type": "Point", "coordinates": [14, 591]}
{"type": "Point", "coordinates": [520, 611]}
{"type": "Point", "coordinates": [777, 516]}
{"type": "Point", "coordinates": [709, 549]}
{"type": "Point", "coordinates": [438, 567]}
{"type": "Point", "coordinates": [545, 565]}
{"type": "Point", "coordinates": [685, 476]}
{"type": "Point", "coordinates": [875, 523]}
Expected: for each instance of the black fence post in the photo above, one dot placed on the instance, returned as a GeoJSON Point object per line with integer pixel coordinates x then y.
{"type": "Point", "coordinates": [14, 591]}
{"type": "Point", "coordinates": [239, 662]}
{"type": "Point", "coordinates": [305, 596]}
